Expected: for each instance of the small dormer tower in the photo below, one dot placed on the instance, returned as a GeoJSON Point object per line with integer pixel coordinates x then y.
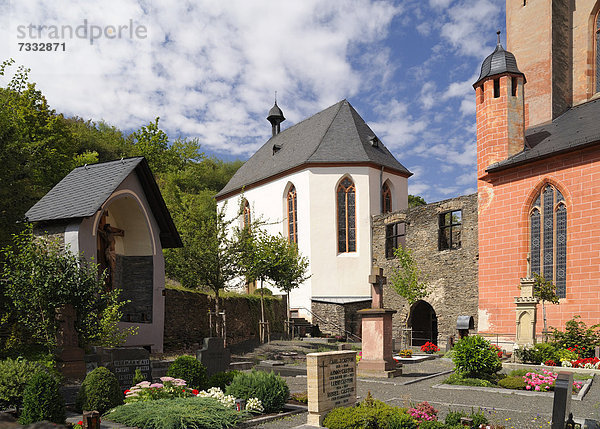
{"type": "Point", "coordinates": [275, 118]}
{"type": "Point", "coordinates": [500, 109]}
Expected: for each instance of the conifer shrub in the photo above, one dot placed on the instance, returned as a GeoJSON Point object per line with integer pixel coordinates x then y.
{"type": "Point", "coordinates": [512, 383]}
{"type": "Point", "coordinates": [191, 370]}
{"type": "Point", "coordinates": [270, 388]}
{"type": "Point", "coordinates": [138, 377]}
{"type": "Point", "coordinates": [42, 400]}
{"type": "Point", "coordinates": [14, 376]}
{"type": "Point", "coordinates": [222, 379]}
{"type": "Point", "coordinates": [100, 391]}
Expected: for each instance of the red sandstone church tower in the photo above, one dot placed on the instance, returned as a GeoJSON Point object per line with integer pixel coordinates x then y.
{"type": "Point", "coordinates": [538, 162]}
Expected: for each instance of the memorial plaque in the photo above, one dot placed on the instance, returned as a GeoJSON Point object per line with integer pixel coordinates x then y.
{"type": "Point", "coordinates": [214, 356]}
{"type": "Point", "coordinates": [331, 379]}
{"type": "Point", "coordinates": [134, 275]}
{"type": "Point", "coordinates": [122, 362]}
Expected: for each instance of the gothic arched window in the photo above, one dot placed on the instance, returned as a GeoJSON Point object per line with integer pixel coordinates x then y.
{"type": "Point", "coordinates": [548, 237]}
{"type": "Point", "coordinates": [292, 215]}
{"type": "Point", "coordinates": [386, 198]}
{"type": "Point", "coordinates": [346, 216]}
{"type": "Point", "coordinates": [246, 220]}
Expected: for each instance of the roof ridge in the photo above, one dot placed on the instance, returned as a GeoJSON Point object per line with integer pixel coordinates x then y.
{"type": "Point", "coordinates": [328, 127]}
{"type": "Point", "coordinates": [354, 114]}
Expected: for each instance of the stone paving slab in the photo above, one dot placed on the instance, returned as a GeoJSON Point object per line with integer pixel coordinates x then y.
{"type": "Point", "coordinates": [512, 411]}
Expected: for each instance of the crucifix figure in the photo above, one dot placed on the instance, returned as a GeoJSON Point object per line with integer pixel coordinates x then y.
{"type": "Point", "coordinates": [107, 251]}
{"type": "Point", "coordinates": [377, 280]}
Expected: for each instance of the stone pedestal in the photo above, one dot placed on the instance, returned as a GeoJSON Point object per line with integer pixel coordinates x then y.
{"type": "Point", "coordinates": [526, 313]}
{"type": "Point", "coordinates": [331, 383]}
{"type": "Point", "coordinates": [377, 360]}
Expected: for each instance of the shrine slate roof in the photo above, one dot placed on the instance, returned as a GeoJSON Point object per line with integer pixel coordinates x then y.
{"type": "Point", "coordinates": [83, 191]}
{"type": "Point", "coordinates": [337, 135]}
{"type": "Point", "coordinates": [577, 128]}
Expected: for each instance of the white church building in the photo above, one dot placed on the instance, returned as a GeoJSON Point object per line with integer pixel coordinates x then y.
{"type": "Point", "coordinates": [318, 183]}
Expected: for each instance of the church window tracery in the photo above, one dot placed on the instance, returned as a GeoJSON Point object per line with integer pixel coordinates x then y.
{"type": "Point", "coordinates": [386, 198]}
{"type": "Point", "coordinates": [346, 216]}
{"type": "Point", "coordinates": [548, 237]}
{"type": "Point", "coordinates": [292, 215]}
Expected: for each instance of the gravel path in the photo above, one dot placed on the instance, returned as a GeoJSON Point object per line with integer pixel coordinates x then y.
{"type": "Point", "coordinates": [513, 411]}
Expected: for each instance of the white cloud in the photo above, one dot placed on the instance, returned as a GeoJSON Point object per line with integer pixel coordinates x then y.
{"type": "Point", "coordinates": [208, 69]}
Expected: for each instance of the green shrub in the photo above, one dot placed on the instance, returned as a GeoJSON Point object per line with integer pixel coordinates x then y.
{"type": "Point", "coordinates": [564, 354]}
{"type": "Point", "coordinates": [432, 424]}
{"type": "Point", "coordinates": [178, 413]}
{"type": "Point", "coordinates": [479, 418]}
{"type": "Point", "coordinates": [100, 391]}
{"type": "Point", "coordinates": [538, 354]}
{"type": "Point", "coordinates": [270, 388]}
{"type": "Point", "coordinates": [457, 379]}
{"type": "Point", "coordinates": [14, 376]}
{"type": "Point", "coordinates": [519, 372]}
{"type": "Point", "coordinates": [512, 383]}
{"type": "Point", "coordinates": [453, 417]}
{"type": "Point", "coordinates": [189, 369]}
{"type": "Point", "coordinates": [42, 400]}
{"type": "Point", "coordinates": [474, 357]}
{"type": "Point", "coordinates": [222, 379]}
{"type": "Point", "coordinates": [369, 414]}
{"type": "Point", "coordinates": [578, 334]}
{"type": "Point", "coordinates": [264, 290]}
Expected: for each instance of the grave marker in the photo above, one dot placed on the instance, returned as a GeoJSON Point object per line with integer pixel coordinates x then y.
{"type": "Point", "coordinates": [331, 383]}
{"type": "Point", "coordinates": [122, 362]}
{"type": "Point", "coordinates": [561, 406]}
{"type": "Point", "coordinates": [214, 356]}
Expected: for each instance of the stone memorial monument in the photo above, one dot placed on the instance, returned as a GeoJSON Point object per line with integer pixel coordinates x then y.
{"type": "Point", "coordinates": [526, 313]}
{"type": "Point", "coordinates": [331, 383]}
{"type": "Point", "coordinates": [561, 406]}
{"type": "Point", "coordinates": [377, 360]}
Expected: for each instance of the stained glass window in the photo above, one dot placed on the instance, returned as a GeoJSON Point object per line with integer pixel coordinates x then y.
{"type": "Point", "coordinates": [292, 215]}
{"type": "Point", "coordinates": [247, 219]}
{"type": "Point", "coordinates": [346, 208]}
{"type": "Point", "coordinates": [548, 237]}
{"type": "Point", "coordinates": [386, 198]}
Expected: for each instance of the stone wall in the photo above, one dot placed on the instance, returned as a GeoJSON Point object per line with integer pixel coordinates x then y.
{"type": "Point", "coordinates": [450, 274]}
{"type": "Point", "coordinates": [186, 317]}
{"type": "Point", "coordinates": [338, 319]}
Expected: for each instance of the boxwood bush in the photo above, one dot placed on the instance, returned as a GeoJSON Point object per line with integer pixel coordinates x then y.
{"type": "Point", "coordinates": [14, 376]}
{"type": "Point", "coordinates": [42, 400]}
{"type": "Point", "coordinates": [475, 358]}
{"type": "Point", "coordinates": [222, 379]}
{"type": "Point", "coordinates": [512, 383]}
{"type": "Point", "coordinates": [191, 370]}
{"type": "Point", "coordinates": [270, 388]}
{"type": "Point", "coordinates": [99, 391]}
{"type": "Point", "coordinates": [370, 413]}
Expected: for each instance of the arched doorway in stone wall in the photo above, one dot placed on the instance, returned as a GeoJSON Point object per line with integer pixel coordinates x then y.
{"type": "Point", "coordinates": [423, 322]}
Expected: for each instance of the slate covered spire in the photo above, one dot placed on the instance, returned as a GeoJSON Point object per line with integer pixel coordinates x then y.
{"type": "Point", "coordinates": [498, 62]}
{"type": "Point", "coordinates": [275, 117]}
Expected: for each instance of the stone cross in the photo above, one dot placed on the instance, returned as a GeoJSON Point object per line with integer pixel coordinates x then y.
{"type": "Point", "coordinates": [377, 280]}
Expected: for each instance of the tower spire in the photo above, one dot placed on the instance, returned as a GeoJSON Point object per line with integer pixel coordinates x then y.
{"type": "Point", "coordinates": [275, 117]}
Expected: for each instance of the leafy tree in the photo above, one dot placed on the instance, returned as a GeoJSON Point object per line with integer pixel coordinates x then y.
{"type": "Point", "coordinates": [40, 277]}
{"type": "Point", "coordinates": [406, 280]}
{"type": "Point", "coordinates": [415, 201]}
{"type": "Point", "coordinates": [546, 291]}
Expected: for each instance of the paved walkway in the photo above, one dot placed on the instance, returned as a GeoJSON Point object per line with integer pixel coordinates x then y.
{"type": "Point", "coordinates": [513, 411]}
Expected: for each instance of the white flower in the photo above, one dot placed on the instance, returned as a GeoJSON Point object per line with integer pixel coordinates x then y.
{"type": "Point", "coordinates": [254, 405]}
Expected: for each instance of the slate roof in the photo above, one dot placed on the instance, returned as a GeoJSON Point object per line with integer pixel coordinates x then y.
{"type": "Point", "coordinates": [83, 191]}
{"type": "Point", "coordinates": [335, 135]}
{"type": "Point", "coordinates": [577, 128]}
{"type": "Point", "coordinates": [498, 62]}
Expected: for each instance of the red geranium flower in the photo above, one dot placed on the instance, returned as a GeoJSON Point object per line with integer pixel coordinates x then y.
{"type": "Point", "coordinates": [80, 423]}
{"type": "Point", "coordinates": [126, 392]}
{"type": "Point", "coordinates": [195, 391]}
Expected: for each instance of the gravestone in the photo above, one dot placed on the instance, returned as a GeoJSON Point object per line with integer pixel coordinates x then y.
{"type": "Point", "coordinates": [70, 357]}
{"type": "Point", "coordinates": [214, 356]}
{"type": "Point", "coordinates": [122, 362]}
{"type": "Point", "coordinates": [377, 351]}
{"type": "Point", "coordinates": [526, 313]}
{"type": "Point", "coordinates": [561, 406]}
{"type": "Point", "coordinates": [331, 383]}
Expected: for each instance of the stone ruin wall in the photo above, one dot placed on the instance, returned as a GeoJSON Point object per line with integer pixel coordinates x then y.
{"type": "Point", "coordinates": [450, 274]}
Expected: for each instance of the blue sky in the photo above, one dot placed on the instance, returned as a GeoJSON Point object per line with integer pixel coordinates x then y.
{"type": "Point", "coordinates": [209, 69]}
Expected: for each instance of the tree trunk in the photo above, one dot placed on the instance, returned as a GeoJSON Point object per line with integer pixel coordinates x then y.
{"type": "Point", "coordinates": [217, 317]}
{"type": "Point", "coordinates": [288, 317]}
{"type": "Point", "coordinates": [262, 313]}
{"type": "Point", "coordinates": [545, 321]}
